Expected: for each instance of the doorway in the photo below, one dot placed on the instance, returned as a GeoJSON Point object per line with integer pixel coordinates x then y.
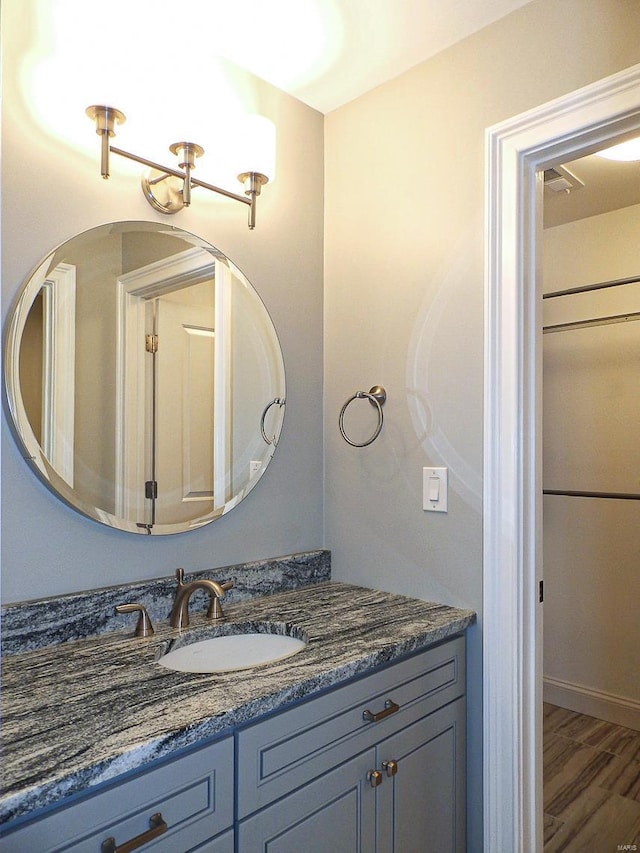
{"type": "Point", "coordinates": [516, 152]}
{"type": "Point", "coordinates": [173, 410]}
{"type": "Point", "coordinates": [591, 504]}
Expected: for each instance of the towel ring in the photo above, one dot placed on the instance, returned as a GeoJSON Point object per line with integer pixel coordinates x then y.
{"type": "Point", "coordinates": [278, 401]}
{"type": "Point", "coordinates": [377, 397]}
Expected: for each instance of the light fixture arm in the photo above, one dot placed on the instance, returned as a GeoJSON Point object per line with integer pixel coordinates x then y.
{"type": "Point", "coordinates": [253, 183]}
{"type": "Point", "coordinates": [105, 118]}
{"type": "Point", "coordinates": [177, 173]}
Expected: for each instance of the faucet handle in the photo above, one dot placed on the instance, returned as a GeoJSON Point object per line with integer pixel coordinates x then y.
{"type": "Point", "coordinates": [215, 610]}
{"type": "Point", "coordinates": [144, 628]}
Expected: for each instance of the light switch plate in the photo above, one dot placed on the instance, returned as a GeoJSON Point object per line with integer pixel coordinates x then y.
{"type": "Point", "coordinates": [435, 488]}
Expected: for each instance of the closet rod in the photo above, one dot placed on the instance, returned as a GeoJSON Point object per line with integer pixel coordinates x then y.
{"type": "Point", "coordinates": [623, 496]}
{"type": "Point", "coordinates": [595, 321]}
{"type": "Point", "coordinates": [587, 287]}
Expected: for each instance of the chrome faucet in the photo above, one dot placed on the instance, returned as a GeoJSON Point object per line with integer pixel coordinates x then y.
{"type": "Point", "coordinates": [180, 611]}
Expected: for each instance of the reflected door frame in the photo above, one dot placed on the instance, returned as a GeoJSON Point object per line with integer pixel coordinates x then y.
{"type": "Point", "coordinates": [516, 150]}
{"type": "Point", "coordinates": [59, 369]}
{"type": "Point", "coordinates": [134, 291]}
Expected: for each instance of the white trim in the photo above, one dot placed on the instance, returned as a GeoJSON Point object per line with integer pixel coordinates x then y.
{"type": "Point", "coordinates": [59, 369]}
{"type": "Point", "coordinates": [595, 703]}
{"type": "Point", "coordinates": [131, 401]}
{"type": "Point", "coordinates": [135, 289]}
{"type": "Point", "coordinates": [222, 388]}
{"type": "Point", "coordinates": [515, 150]}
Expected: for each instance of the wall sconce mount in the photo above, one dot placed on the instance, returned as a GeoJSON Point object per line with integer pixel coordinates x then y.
{"type": "Point", "coordinates": [169, 190]}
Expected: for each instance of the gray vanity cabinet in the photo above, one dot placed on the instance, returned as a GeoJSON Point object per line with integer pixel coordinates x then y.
{"type": "Point", "coordinates": [374, 766]}
{"type": "Point", "coordinates": [378, 765]}
{"type": "Point", "coordinates": [193, 795]}
{"type": "Point", "coordinates": [421, 806]}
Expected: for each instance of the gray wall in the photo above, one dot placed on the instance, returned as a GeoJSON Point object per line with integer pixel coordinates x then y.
{"type": "Point", "coordinates": [49, 193]}
{"type": "Point", "coordinates": [404, 297]}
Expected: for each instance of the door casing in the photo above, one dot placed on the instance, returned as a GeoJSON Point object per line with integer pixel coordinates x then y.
{"type": "Point", "coordinates": [515, 152]}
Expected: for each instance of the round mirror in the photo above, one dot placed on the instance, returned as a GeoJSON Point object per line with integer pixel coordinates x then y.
{"type": "Point", "coordinates": [144, 378]}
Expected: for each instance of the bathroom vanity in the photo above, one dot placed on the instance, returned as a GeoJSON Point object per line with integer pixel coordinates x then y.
{"type": "Point", "coordinates": [357, 743]}
{"type": "Point", "coordinates": [354, 743]}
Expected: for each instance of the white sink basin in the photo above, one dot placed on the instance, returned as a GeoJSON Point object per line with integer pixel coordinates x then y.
{"type": "Point", "coordinates": [236, 651]}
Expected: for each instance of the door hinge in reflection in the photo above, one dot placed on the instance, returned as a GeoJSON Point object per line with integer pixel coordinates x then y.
{"type": "Point", "coordinates": [151, 343]}
{"type": "Point", "coordinates": [151, 489]}
{"type": "Point", "coordinates": [541, 591]}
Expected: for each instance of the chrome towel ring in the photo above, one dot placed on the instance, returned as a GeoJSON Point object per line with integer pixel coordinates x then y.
{"type": "Point", "coordinates": [377, 397]}
{"type": "Point", "coordinates": [278, 401]}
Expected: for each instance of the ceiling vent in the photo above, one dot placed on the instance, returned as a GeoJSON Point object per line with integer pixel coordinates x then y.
{"type": "Point", "coordinates": [561, 180]}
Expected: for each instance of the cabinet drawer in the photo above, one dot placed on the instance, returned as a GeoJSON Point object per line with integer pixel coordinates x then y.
{"type": "Point", "coordinates": [224, 843]}
{"type": "Point", "coordinates": [289, 749]}
{"type": "Point", "coordinates": [194, 795]}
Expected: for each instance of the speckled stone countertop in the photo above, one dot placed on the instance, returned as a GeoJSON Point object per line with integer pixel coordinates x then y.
{"type": "Point", "coordinates": [31, 625]}
{"type": "Point", "coordinates": [86, 711]}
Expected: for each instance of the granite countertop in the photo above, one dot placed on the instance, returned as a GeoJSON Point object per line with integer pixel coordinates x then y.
{"type": "Point", "coordinates": [86, 711]}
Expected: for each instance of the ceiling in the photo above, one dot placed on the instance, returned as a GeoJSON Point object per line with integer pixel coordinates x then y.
{"type": "Point", "coordinates": [360, 44]}
{"type": "Point", "coordinates": [608, 185]}
{"type": "Point", "coordinates": [323, 52]}
{"type": "Point", "coordinates": [167, 77]}
{"type": "Point", "coordinates": [331, 51]}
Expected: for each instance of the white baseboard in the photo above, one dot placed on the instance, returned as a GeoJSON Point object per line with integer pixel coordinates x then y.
{"type": "Point", "coordinates": [584, 700]}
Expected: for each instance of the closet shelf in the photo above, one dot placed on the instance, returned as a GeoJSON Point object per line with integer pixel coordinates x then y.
{"type": "Point", "coordinates": [571, 493]}
{"type": "Point", "coordinates": [595, 321]}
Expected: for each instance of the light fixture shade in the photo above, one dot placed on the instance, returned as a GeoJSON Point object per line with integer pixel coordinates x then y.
{"type": "Point", "coordinates": [256, 147]}
{"type": "Point", "coordinates": [625, 152]}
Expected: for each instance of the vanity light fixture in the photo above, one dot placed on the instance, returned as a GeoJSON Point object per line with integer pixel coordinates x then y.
{"type": "Point", "coordinates": [162, 193]}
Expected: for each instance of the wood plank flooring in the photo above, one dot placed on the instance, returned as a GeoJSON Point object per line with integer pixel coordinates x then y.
{"type": "Point", "coordinates": [591, 784]}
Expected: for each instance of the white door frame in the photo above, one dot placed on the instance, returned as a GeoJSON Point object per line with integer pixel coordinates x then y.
{"type": "Point", "coordinates": [516, 150]}
{"type": "Point", "coordinates": [59, 369]}
{"type": "Point", "coordinates": [134, 291]}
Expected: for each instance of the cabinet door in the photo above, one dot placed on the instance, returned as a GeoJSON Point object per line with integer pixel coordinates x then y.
{"type": "Point", "coordinates": [421, 805]}
{"type": "Point", "coordinates": [334, 813]}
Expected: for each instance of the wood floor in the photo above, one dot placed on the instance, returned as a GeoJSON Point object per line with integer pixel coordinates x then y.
{"type": "Point", "coordinates": [591, 784]}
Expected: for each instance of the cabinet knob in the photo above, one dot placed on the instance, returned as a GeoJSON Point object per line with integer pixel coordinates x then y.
{"type": "Point", "coordinates": [390, 766]}
{"type": "Point", "coordinates": [375, 778]}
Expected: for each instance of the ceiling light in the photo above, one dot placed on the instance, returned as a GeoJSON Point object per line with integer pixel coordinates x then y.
{"type": "Point", "coordinates": [625, 152]}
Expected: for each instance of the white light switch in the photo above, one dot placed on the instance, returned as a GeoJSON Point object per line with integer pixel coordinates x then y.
{"type": "Point", "coordinates": [434, 489]}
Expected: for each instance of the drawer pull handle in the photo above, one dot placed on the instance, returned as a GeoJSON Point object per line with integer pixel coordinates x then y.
{"type": "Point", "coordinates": [156, 827]}
{"type": "Point", "coordinates": [389, 708]}
{"type": "Point", "coordinates": [375, 778]}
{"type": "Point", "coordinates": [390, 766]}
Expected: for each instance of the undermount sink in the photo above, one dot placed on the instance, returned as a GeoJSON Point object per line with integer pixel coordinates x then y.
{"type": "Point", "coordinates": [231, 652]}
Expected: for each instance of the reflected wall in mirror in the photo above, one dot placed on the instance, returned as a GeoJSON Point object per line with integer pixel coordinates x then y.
{"type": "Point", "coordinates": [144, 378]}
